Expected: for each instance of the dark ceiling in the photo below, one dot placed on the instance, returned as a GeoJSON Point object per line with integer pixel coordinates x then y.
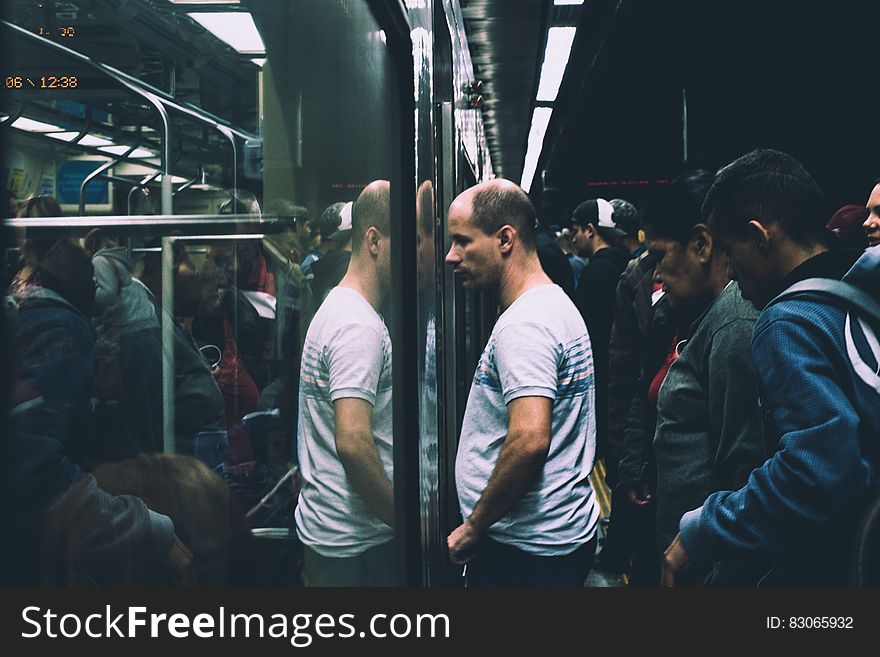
{"type": "Point", "coordinates": [801, 77]}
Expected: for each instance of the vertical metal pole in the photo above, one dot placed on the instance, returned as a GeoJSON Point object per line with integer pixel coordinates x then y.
{"type": "Point", "coordinates": [168, 409]}
{"type": "Point", "coordinates": [226, 132]}
{"type": "Point", "coordinates": [684, 124]}
{"type": "Point", "coordinates": [298, 152]}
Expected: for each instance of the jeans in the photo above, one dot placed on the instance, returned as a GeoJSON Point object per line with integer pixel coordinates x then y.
{"type": "Point", "coordinates": [498, 564]}
{"type": "Point", "coordinates": [373, 567]}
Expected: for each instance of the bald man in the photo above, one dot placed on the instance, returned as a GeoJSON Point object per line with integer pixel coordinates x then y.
{"type": "Point", "coordinates": [528, 439]}
{"type": "Point", "coordinates": [345, 510]}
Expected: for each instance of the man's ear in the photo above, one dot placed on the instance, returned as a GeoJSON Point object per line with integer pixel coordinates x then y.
{"type": "Point", "coordinates": [759, 235]}
{"type": "Point", "coordinates": [506, 237]}
{"type": "Point", "coordinates": [372, 239]}
{"type": "Point", "coordinates": [702, 242]}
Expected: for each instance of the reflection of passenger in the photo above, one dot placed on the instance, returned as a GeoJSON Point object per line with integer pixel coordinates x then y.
{"type": "Point", "coordinates": [32, 249]}
{"type": "Point", "coordinates": [197, 399]}
{"type": "Point", "coordinates": [88, 536]}
{"type": "Point", "coordinates": [220, 321]}
{"type": "Point", "coordinates": [205, 513]}
{"type": "Point", "coordinates": [10, 205]}
{"type": "Point", "coordinates": [330, 269]}
{"type": "Point", "coordinates": [128, 376]}
{"type": "Point", "coordinates": [55, 350]}
{"type": "Point", "coordinates": [428, 448]}
{"type": "Point", "coordinates": [345, 510]}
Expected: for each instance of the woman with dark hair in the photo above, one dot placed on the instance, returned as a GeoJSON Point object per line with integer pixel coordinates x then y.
{"type": "Point", "coordinates": [708, 434]}
{"type": "Point", "coordinates": [32, 250]}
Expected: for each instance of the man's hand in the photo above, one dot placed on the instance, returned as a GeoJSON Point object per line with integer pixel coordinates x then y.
{"type": "Point", "coordinates": [639, 495]}
{"type": "Point", "coordinates": [462, 543]}
{"type": "Point", "coordinates": [179, 562]}
{"type": "Point", "coordinates": [674, 559]}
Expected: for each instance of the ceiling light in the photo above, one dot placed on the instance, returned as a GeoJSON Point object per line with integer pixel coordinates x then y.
{"type": "Point", "coordinates": [236, 28]}
{"type": "Point", "coordinates": [540, 120]}
{"type": "Point", "coordinates": [93, 140]}
{"type": "Point", "coordinates": [559, 42]}
{"type": "Point", "coordinates": [558, 3]}
{"type": "Point", "coordinates": [122, 150]}
{"type": "Point", "coordinates": [34, 126]}
{"type": "Point", "coordinates": [63, 136]}
{"type": "Point", "coordinates": [174, 179]}
{"type": "Point", "coordinates": [259, 62]}
{"type": "Point", "coordinates": [204, 2]}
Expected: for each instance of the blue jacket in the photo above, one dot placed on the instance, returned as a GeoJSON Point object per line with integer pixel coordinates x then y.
{"type": "Point", "coordinates": [797, 512]}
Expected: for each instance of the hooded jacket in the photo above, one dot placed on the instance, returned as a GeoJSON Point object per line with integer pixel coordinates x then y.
{"type": "Point", "coordinates": [817, 366]}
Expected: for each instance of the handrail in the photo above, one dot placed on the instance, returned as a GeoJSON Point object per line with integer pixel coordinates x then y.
{"type": "Point", "coordinates": [98, 172]}
{"type": "Point", "coordinates": [193, 111]}
{"type": "Point", "coordinates": [121, 78]}
{"type": "Point", "coordinates": [143, 184]}
{"type": "Point", "coordinates": [104, 167]}
{"type": "Point", "coordinates": [159, 100]}
{"type": "Point", "coordinates": [156, 225]}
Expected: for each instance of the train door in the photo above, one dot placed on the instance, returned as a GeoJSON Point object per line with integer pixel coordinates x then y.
{"type": "Point", "coordinates": [283, 121]}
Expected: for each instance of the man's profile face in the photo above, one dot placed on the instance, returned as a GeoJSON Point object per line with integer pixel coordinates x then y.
{"type": "Point", "coordinates": [474, 255]}
{"type": "Point", "coordinates": [580, 241]}
{"type": "Point", "coordinates": [679, 270]}
{"type": "Point", "coordinates": [746, 266]}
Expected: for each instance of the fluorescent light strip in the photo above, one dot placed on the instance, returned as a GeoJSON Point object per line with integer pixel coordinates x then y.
{"type": "Point", "coordinates": [559, 42]}
{"type": "Point", "coordinates": [122, 150]}
{"type": "Point", "coordinates": [236, 28]}
{"type": "Point", "coordinates": [558, 3]}
{"type": "Point", "coordinates": [204, 2]}
{"type": "Point", "coordinates": [92, 140]}
{"type": "Point", "coordinates": [30, 125]}
{"type": "Point", "coordinates": [540, 121]}
{"type": "Point", "coordinates": [63, 136]}
{"type": "Point", "coordinates": [259, 62]}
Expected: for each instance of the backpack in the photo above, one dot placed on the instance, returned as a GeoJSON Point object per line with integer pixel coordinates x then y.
{"type": "Point", "coordinates": [865, 565]}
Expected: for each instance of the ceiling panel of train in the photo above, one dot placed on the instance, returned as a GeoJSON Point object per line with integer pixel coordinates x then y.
{"type": "Point", "coordinates": [151, 40]}
{"type": "Point", "coordinates": [505, 38]}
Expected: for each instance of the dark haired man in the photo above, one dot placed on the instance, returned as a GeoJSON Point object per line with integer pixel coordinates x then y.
{"type": "Point", "coordinates": [594, 236]}
{"type": "Point", "coordinates": [816, 362]}
{"type": "Point", "coordinates": [626, 217]}
{"type": "Point", "coordinates": [528, 437]}
{"type": "Point", "coordinates": [345, 510]}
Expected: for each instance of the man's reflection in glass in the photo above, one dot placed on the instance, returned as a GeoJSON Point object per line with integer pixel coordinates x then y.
{"type": "Point", "coordinates": [345, 513]}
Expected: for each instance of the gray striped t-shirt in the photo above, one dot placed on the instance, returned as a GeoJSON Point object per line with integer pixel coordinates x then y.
{"type": "Point", "coordinates": [539, 347]}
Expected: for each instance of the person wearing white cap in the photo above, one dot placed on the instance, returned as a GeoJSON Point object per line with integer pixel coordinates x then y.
{"type": "Point", "coordinates": [593, 234]}
{"type": "Point", "coordinates": [331, 267]}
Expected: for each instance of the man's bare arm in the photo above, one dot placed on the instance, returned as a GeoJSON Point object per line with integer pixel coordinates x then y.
{"type": "Point", "coordinates": [360, 457]}
{"type": "Point", "coordinates": [520, 462]}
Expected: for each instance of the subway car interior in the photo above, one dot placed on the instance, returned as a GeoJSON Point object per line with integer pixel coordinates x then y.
{"type": "Point", "coordinates": [183, 173]}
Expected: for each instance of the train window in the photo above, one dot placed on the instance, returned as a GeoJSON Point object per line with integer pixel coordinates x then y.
{"type": "Point", "coordinates": [198, 285]}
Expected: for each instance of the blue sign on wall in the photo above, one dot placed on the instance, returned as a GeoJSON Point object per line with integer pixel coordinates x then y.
{"type": "Point", "coordinates": [69, 178]}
